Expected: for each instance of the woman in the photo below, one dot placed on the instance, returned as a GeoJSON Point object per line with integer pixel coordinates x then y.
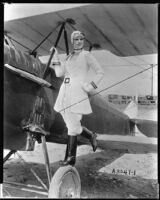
{"type": "Point", "coordinates": [72, 101]}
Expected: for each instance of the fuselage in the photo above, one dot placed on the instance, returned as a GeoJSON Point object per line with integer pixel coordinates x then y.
{"type": "Point", "coordinates": [28, 99]}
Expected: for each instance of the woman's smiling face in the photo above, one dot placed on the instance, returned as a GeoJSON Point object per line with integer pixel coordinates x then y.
{"type": "Point", "coordinates": [78, 41]}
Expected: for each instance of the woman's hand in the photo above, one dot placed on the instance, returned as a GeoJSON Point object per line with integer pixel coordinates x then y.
{"type": "Point", "coordinates": [53, 47]}
{"type": "Point", "coordinates": [55, 59]}
{"type": "Point", "coordinates": [87, 87]}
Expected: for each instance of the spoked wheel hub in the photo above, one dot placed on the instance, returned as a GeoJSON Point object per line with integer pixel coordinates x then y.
{"type": "Point", "coordinates": [65, 183]}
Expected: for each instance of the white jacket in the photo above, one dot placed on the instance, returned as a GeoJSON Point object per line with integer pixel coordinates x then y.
{"type": "Point", "coordinates": [72, 97]}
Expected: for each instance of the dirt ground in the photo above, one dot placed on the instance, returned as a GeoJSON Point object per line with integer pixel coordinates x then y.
{"type": "Point", "coordinates": [122, 167]}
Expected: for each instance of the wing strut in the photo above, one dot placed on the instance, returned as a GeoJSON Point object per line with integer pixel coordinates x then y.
{"type": "Point", "coordinates": [52, 53]}
{"type": "Point", "coordinates": [34, 50]}
{"type": "Point", "coordinates": [9, 155]}
{"type": "Point", "coordinates": [56, 43]}
{"type": "Point", "coordinates": [66, 41]}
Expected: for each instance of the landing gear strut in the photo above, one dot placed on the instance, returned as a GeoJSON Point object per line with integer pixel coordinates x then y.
{"type": "Point", "coordinates": [66, 181]}
{"type": "Point", "coordinates": [8, 155]}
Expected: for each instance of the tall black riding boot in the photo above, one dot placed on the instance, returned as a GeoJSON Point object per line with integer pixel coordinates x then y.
{"type": "Point", "coordinates": [70, 157]}
{"type": "Point", "coordinates": [92, 137]}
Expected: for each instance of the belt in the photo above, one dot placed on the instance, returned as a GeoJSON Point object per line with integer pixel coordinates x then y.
{"type": "Point", "coordinates": [66, 80]}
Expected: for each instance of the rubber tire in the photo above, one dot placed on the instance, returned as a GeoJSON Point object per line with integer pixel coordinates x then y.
{"type": "Point", "coordinates": [61, 175]}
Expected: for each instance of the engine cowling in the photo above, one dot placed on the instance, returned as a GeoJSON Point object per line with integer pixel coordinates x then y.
{"type": "Point", "coordinates": [23, 60]}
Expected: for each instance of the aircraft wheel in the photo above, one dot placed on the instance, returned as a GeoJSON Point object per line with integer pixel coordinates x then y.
{"type": "Point", "coordinates": [65, 183]}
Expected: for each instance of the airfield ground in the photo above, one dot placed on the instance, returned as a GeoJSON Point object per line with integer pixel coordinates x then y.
{"type": "Point", "coordinates": [122, 167]}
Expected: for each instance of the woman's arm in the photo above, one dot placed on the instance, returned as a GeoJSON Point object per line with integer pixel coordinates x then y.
{"type": "Point", "coordinates": [57, 65]}
{"type": "Point", "coordinates": [99, 73]}
{"type": "Point", "coordinates": [58, 68]}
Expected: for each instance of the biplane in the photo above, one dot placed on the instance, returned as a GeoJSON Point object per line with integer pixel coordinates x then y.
{"type": "Point", "coordinates": [31, 88]}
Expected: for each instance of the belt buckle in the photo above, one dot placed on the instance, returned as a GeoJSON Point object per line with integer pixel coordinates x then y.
{"type": "Point", "coordinates": [67, 80]}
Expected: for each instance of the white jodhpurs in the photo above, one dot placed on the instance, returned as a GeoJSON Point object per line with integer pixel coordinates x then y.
{"type": "Point", "coordinates": [73, 123]}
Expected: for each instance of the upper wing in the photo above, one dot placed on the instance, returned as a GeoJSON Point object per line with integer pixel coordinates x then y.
{"type": "Point", "coordinates": [123, 29]}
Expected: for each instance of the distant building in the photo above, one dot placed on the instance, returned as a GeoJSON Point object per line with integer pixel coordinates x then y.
{"type": "Point", "coordinates": [147, 100]}
{"type": "Point", "coordinates": [125, 99]}
{"type": "Point", "coordinates": [120, 99]}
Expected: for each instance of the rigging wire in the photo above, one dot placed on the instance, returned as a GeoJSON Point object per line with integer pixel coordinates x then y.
{"type": "Point", "coordinates": [113, 85]}
{"type": "Point", "coordinates": [33, 172]}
